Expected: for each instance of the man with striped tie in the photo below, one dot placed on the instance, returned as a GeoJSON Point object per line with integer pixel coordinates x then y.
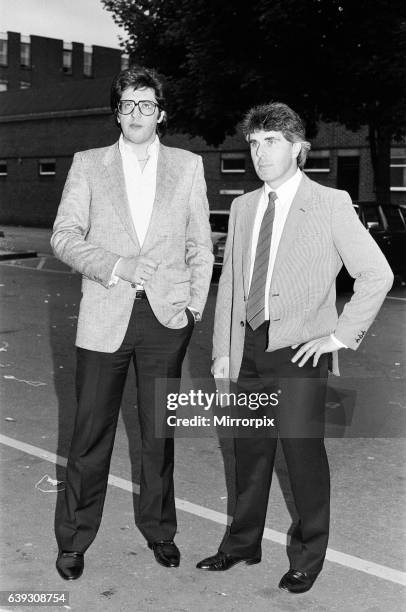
{"type": "Point", "coordinates": [286, 244]}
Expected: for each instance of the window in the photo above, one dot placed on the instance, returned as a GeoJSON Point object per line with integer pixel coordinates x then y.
{"type": "Point", "coordinates": [3, 49]}
{"type": "Point", "coordinates": [318, 161]}
{"type": "Point", "coordinates": [25, 52]}
{"type": "Point", "coordinates": [3, 84]}
{"type": "Point", "coordinates": [125, 61]}
{"type": "Point", "coordinates": [398, 170]}
{"type": "Point", "coordinates": [87, 61]}
{"type": "Point", "coordinates": [67, 58]}
{"type": "Point", "coordinates": [231, 191]}
{"type": "Point", "coordinates": [233, 163]}
{"type": "Point", "coordinates": [3, 167]}
{"type": "Point", "coordinates": [47, 167]}
{"type": "Point", "coordinates": [25, 84]}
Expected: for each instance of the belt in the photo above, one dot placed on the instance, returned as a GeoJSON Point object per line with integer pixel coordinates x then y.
{"type": "Point", "coordinates": [140, 294]}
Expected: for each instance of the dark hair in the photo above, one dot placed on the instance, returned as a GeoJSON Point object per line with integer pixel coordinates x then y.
{"type": "Point", "coordinates": [278, 117]}
{"type": "Point", "coordinates": [137, 77]}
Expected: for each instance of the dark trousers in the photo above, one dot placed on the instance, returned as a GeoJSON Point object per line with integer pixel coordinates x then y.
{"type": "Point", "coordinates": [299, 418]}
{"type": "Point", "coordinates": [157, 352]}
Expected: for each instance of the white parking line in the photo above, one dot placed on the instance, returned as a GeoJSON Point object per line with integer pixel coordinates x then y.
{"type": "Point", "coordinates": [13, 263]}
{"type": "Point", "coordinates": [361, 565]}
{"type": "Point", "coordinates": [392, 297]}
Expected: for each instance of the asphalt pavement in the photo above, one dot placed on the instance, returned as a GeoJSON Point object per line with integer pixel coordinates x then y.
{"type": "Point", "coordinates": [364, 570]}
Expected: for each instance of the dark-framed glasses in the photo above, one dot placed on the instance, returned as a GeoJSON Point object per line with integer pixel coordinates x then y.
{"type": "Point", "coordinates": [146, 107]}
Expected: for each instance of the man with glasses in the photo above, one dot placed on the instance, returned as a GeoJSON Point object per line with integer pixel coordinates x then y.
{"type": "Point", "coordinates": [134, 221]}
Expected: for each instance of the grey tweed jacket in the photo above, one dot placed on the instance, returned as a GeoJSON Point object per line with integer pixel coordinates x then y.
{"type": "Point", "coordinates": [321, 233]}
{"type": "Point", "coordinates": [93, 228]}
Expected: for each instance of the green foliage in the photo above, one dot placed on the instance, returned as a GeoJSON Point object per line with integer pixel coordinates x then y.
{"type": "Point", "coordinates": [331, 60]}
{"type": "Point", "coordinates": [336, 60]}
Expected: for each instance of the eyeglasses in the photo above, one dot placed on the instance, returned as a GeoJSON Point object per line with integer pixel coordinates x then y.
{"type": "Point", "coordinates": [146, 107]}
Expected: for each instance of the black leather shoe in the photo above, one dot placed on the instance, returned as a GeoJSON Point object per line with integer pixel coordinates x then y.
{"type": "Point", "coordinates": [222, 561]}
{"type": "Point", "coordinates": [297, 582]}
{"type": "Point", "coordinates": [166, 553]}
{"type": "Point", "coordinates": [70, 565]}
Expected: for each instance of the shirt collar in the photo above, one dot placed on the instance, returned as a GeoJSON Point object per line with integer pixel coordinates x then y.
{"type": "Point", "coordinates": [287, 189]}
{"type": "Point", "coordinates": [125, 149]}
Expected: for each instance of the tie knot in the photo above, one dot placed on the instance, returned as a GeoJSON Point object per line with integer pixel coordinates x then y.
{"type": "Point", "coordinates": [272, 197]}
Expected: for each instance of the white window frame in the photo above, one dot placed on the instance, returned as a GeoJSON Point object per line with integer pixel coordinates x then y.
{"type": "Point", "coordinates": [231, 191]}
{"type": "Point", "coordinates": [46, 161]}
{"type": "Point", "coordinates": [67, 53]}
{"type": "Point", "coordinates": [320, 154]}
{"type": "Point", "coordinates": [88, 61]}
{"type": "Point", "coordinates": [225, 156]}
{"type": "Point", "coordinates": [26, 41]}
{"type": "Point", "coordinates": [401, 154]}
{"type": "Point", "coordinates": [4, 54]}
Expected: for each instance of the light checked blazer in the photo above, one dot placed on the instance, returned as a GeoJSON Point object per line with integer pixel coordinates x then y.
{"type": "Point", "coordinates": [322, 232]}
{"type": "Point", "coordinates": [93, 228]}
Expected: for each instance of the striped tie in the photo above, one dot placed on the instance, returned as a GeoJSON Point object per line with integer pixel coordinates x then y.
{"type": "Point", "coordinates": [256, 298]}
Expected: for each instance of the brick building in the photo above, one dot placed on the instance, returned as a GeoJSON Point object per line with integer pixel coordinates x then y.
{"type": "Point", "coordinates": [54, 101]}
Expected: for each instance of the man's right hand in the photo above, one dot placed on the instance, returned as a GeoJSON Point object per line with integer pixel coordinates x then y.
{"type": "Point", "coordinates": [221, 367]}
{"type": "Point", "coordinates": [136, 269]}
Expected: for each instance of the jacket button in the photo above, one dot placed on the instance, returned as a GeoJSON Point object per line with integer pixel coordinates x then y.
{"type": "Point", "coordinates": [242, 323]}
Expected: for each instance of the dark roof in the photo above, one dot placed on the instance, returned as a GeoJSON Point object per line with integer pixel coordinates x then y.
{"type": "Point", "coordinates": [75, 95]}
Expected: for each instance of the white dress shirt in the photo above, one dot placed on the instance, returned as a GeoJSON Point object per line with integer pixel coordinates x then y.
{"type": "Point", "coordinates": [285, 195]}
{"type": "Point", "coordinates": [140, 187]}
{"type": "Point", "coordinates": [140, 184]}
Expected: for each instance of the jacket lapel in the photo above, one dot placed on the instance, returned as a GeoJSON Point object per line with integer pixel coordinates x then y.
{"type": "Point", "coordinates": [300, 206]}
{"type": "Point", "coordinates": [166, 177]}
{"type": "Point", "coordinates": [117, 191]}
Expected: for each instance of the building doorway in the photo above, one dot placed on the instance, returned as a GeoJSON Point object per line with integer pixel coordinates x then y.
{"type": "Point", "coordinates": [348, 173]}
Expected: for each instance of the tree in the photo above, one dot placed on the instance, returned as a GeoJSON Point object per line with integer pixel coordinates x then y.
{"type": "Point", "coordinates": [331, 60]}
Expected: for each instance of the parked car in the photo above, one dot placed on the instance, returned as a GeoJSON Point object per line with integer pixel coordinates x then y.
{"type": "Point", "coordinates": [218, 251]}
{"type": "Point", "coordinates": [219, 224]}
{"type": "Point", "coordinates": [386, 224]}
{"type": "Point", "coordinates": [219, 227]}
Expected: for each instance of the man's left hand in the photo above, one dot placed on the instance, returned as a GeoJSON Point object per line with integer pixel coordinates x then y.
{"type": "Point", "coordinates": [314, 348]}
